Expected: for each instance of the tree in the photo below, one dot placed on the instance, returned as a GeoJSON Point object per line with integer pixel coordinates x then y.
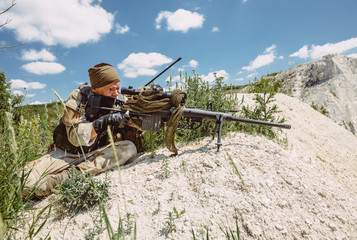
{"type": "Point", "coordinates": [7, 99]}
{"type": "Point", "coordinates": [4, 48]}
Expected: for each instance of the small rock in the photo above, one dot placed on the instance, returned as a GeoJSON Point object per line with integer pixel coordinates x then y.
{"type": "Point", "coordinates": [218, 162]}
{"type": "Point", "coordinates": [150, 177]}
{"type": "Point", "coordinates": [304, 232]}
{"type": "Point", "coordinates": [332, 226]}
{"type": "Point", "coordinates": [279, 227]}
{"type": "Point", "coordinates": [308, 222]}
{"type": "Point", "coordinates": [265, 201]}
{"type": "Point", "coordinates": [209, 164]}
{"type": "Point", "coordinates": [283, 204]}
{"type": "Point", "coordinates": [342, 219]}
{"type": "Point", "coordinates": [187, 223]}
{"type": "Point", "coordinates": [269, 182]}
{"type": "Point", "coordinates": [322, 194]}
{"type": "Point", "coordinates": [252, 230]}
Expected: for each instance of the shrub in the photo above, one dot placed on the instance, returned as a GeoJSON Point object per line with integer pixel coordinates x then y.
{"type": "Point", "coordinates": [81, 191]}
{"type": "Point", "coordinates": [265, 89]}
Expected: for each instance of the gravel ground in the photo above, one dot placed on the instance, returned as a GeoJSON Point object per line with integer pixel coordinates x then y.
{"type": "Point", "coordinates": [302, 188]}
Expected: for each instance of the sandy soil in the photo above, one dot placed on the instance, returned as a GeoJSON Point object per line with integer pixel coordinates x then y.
{"type": "Point", "coordinates": [304, 188]}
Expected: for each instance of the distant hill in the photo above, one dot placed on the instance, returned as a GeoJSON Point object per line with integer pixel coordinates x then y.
{"type": "Point", "coordinates": [331, 83]}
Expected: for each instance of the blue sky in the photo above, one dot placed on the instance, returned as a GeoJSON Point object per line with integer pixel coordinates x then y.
{"type": "Point", "coordinates": [236, 39]}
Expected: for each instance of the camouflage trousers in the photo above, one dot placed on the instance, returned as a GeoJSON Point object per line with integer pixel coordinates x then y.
{"type": "Point", "coordinates": [45, 173]}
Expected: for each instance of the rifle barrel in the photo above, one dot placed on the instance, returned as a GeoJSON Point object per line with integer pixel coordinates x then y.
{"type": "Point", "coordinates": [199, 113]}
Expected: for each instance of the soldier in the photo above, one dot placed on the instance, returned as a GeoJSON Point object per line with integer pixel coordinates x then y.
{"type": "Point", "coordinates": [84, 142]}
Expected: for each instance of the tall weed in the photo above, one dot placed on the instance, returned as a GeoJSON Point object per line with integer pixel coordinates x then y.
{"type": "Point", "coordinates": [21, 141]}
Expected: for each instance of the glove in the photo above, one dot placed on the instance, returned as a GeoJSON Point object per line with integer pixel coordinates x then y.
{"type": "Point", "coordinates": [116, 119]}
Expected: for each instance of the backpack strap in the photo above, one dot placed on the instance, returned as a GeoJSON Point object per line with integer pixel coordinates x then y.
{"type": "Point", "coordinates": [84, 90]}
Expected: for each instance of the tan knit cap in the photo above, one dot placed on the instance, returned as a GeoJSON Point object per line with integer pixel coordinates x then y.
{"type": "Point", "coordinates": [102, 74]}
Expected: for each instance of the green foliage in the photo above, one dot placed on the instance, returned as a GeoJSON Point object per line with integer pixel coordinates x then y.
{"type": "Point", "coordinates": [272, 74]}
{"type": "Point", "coordinates": [217, 96]}
{"type": "Point", "coordinates": [320, 109]}
{"type": "Point", "coordinates": [7, 100]}
{"type": "Point", "coordinates": [81, 191]}
{"type": "Point", "coordinates": [165, 168]}
{"type": "Point", "coordinates": [153, 140]}
{"type": "Point", "coordinates": [170, 225]}
{"type": "Point", "coordinates": [265, 85]}
{"type": "Point", "coordinates": [126, 226]}
{"type": "Point", "coordinates": [202, 95]}
{"type": "Point", "coordinates": [21, 141]}
{"type": "Point", "coordinates": [229, 233]}
{"type": "Point", "coordinates": [204, 237]}
{"type": "Point", "coordinates": [236, 170]}
{"type": "Point", "coordinates": [265, 110]}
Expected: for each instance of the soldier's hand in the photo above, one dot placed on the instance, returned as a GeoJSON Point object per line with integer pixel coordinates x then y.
{"type": "Point", "coordinates": [119, 120]}
{"type": "Point", "coordinates": [116, 119]}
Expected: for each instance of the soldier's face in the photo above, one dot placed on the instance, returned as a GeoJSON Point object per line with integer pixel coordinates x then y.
{"type": "Point", "coordinates": [110, 90]}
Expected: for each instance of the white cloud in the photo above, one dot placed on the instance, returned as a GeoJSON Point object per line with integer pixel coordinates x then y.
{"type": "Point", "coordinates": [302, 53]}
{"type": "Point", "coordinates": [252, 75]}
{"type": "Point", "coordinates": [181, 20]}
{"type": "Point", "coordinates": [215, 29]}
{"type": "Point", "coordinates": [142, 64]}
{"type": "Point", "coordinates": [318, 51]}
{"type": "Point", "coordinates": [66, 22]}
{"type": "Point", "coordinates": [34, 55]}
{"type": "Point", "coordinates": [340, 47]}
{"type": "Point", "coordinates": [37, 103]}
{"type": "Point", "coordinates": [176, 83]}
{"type": "Point", "coordinates": [244, 1]}
{"type": "Point", "coordinates": [211, 78]}
{"type": "Point", "coordinates": [79, 83]}
{"type": "Point", "coordinates": [21, 84]}
{"type": "Point", "coordinates": [193, 63]}
{"type": "Point", "coordinates": [353, 55]}
{"type": "Point", "coordinates": [175, 79]}
{"type": "Point", "coordinates": [42, 68]}
{"type": "Point", "coordinates": [18, 93]}
{"type": "Point", "coordinates": [120, 29]}
{"type": "Point", "coordinates": [262, 60]}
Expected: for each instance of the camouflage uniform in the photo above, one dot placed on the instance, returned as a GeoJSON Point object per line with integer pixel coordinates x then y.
{"type": "Point", "coordinates": [47, 172]}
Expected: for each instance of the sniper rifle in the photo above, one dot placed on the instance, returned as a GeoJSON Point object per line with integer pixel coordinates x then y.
{"type": "Point", "coordinates": [154, 120]}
